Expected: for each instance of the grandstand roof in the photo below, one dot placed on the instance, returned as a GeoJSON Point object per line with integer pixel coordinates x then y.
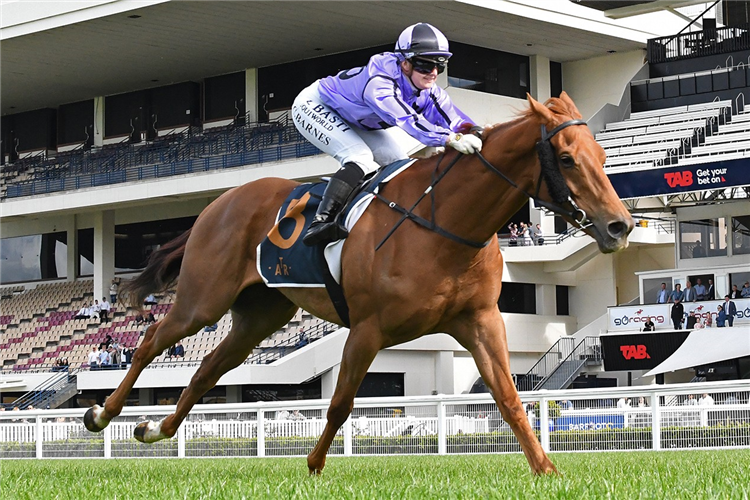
{"type": "Point", "coordinates": [48, 47]}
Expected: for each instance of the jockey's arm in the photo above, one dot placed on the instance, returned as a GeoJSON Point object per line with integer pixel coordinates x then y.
{"type": "Point", "coordinates": [384, 98]}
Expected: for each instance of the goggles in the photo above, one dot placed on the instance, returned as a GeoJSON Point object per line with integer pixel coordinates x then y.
{"type": "Point", "coordinates": [425, 66]}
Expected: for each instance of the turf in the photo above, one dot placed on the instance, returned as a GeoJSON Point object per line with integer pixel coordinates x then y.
{"type": "Point", "coordinates": [662, 475]}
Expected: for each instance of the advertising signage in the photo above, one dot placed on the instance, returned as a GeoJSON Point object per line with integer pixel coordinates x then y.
{"type": "Point", "coordinates": [681, 179]}
{"type": "Point", "coordinates": [632, 318]}
{"type": "Point", "coordinates": [642, 351]}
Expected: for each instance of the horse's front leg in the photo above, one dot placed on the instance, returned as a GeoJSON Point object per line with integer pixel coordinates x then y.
{"type": "Point", "coordinates": [485, 339]}
{"type": "Point", "coordinates": [360, 349]}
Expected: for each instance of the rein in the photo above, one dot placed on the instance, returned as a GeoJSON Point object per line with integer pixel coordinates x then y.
{"type": "Point", "coordinates": [550, 171]}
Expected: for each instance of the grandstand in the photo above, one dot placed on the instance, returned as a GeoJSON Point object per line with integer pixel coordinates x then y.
{"type": "Point", "coordinates": [128, 147]}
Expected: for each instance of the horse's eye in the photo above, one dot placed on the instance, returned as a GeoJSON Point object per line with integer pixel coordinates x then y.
{"type": "Point", "coordinates": [567, 161]}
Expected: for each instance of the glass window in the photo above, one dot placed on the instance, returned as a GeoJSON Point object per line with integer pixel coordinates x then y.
{"type": "Point", "coordinates": [31, 258]}
{"type": "Point", "coordinates": [518, 298]}
{"type": "Point", "coordinates": [741, 235]}
{"type": "Point", "coordinates": [563, 302]}
{"type": "Point", "coordinates": [487, 70]}
{"type": "Point", "coordinates": [703, 238]}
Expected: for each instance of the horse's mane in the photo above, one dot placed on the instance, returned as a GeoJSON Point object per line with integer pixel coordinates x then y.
{"type": "Point", "coordinates": [555, 104]}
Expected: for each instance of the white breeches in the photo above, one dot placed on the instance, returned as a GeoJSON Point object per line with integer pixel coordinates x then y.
{"type": "Point", "coordinates": [324, 128]}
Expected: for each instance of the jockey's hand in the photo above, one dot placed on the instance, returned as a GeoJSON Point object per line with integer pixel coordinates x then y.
{"type": "Point", "coordinates": [466, 144]}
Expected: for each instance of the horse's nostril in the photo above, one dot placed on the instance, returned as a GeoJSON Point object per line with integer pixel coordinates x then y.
{"type": "Point", "coordinates": [617, 229]}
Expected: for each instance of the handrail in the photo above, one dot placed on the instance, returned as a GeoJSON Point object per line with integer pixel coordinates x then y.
{"type": "Point", "coordinates": [46, 390]}
{"type": "Point", "coordinates": [580, 353]}
{"type": "Point", "coordinates": [540, 370]}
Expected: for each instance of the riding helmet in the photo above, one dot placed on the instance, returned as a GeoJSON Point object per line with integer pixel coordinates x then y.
{"type": "Point", "coordinates": [423, 40]}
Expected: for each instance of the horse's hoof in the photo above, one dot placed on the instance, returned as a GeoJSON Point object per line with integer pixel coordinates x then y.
{"type": "Point", "coordinates": [314, 472]}
{"type": "Point", "coordinates": [144, 432]}
{"type": "Point", "coordinates": [89, 419]}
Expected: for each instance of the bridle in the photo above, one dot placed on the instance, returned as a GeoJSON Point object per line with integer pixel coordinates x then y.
{"type": "Point", "coordinates": [550, 167]}
{"type": "Point", "coordinates": [550, 172]}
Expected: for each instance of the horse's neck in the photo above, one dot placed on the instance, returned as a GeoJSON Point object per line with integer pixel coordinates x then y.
{"type": "Point", "coordinates": [478, 202]}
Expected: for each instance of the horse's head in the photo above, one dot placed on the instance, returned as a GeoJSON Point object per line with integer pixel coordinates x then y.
{"type": "Point", "coordinates": [573, 171]}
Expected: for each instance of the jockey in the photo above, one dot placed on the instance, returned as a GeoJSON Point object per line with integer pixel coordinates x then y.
{"type": "Point", "coordinates": [345, 116]}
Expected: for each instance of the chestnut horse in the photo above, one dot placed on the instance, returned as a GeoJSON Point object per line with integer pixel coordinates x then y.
{"type": "Point", "coordinates": [419, 282]}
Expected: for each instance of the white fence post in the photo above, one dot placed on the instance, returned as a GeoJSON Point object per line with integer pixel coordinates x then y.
{"type": "Point", "coordinates": [348, 437]}
{"type": "Point", "coordinates": [181, 441]}
{"type": "Point", "coordinates": [442, 429]}
{"type": "Point", "coordinates": [39, 436]}
{"type": "Point", "coordinates": [544, 423]}
{"type": "Point", "coordinates": [655, 422]}
{"type": "Point", "coordinates": [108, 442]}
{"type": "Point", "coordinates": [261, 433]}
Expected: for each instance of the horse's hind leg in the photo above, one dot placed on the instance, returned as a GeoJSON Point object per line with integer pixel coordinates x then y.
{"type": "Point", "coordinates": [258, 312]}
{"type": "Point", "coordinates": [485, 339]}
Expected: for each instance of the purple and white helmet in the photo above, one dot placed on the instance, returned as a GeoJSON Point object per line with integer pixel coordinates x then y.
{"type": "Point", "coordinates": [423, 40]}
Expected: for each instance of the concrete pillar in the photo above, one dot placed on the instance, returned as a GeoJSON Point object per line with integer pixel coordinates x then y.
{"type": "Point", "coordinates": [251, 94]}
{"type": "Point", "coordinates": [104, 252]}
{"type": "Point", "coordinates": [540, 78]}
{"type": "Point", "coordinates": [146, 397]}
{"type": "Point", "coordinates": [234, 394]}
{"type": "Point", "coordinates": [328, 382]}
{"type": "Point", "coordinates": [72, 249]}
{"type": "Point", "coordinates": [98, 121]}
{"type": "Point", "coordinates": [546, 300]}
{"type": "Point", "coordinates": [444, 372]}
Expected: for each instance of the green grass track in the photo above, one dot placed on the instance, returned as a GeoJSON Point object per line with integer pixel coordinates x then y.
{"type": "Point", "coordinates": [660, 475]}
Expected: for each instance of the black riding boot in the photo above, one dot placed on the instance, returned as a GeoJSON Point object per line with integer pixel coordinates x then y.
{"type": "Point", "coordinates": [325, 227]}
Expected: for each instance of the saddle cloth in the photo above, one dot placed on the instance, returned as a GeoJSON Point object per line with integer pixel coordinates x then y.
{"type": "Point", "coordinates": [284, 261]}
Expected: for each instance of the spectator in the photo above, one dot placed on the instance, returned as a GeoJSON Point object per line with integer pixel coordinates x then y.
{"type": "Point", "coordinates": [179, 351]}
{"type": "Point", "coordinates": [698, 250]}
{"type": "Point", "coordinates": [623, 403]}
{"type": "Point", "coordinates": [642, 402]}
{"type": "Point", "coordinates": [150, 318]}
{"type": "Point", "coordinates": [649, 326]}
{"type": "Point", "coordinates": [709, 320]}
{"type": "Point", "coordinates": [139, 319]}
{"type": "Point", "coordinates": [104, 310]}
{"type": "Point", "coordinates": [83, 313]}
{"type": "Point", "coordinates": [94, 358]}
{"type": "Point", "coordinates": [662, 296]}
{"type": "Point", "coordinates": [566, 404]}
{"type": "Point", "coordinates": [677, 293]}
{"type": "Point", "coordinates": [730, 309]}
{"type": "Point", "coordinates": [513, 240]}
{"type": "Point", "coordinates": [735, 293]}
{"type": "Point", "coordinates": [113, 292]}
{"type": "Point", "coordinates": [678, 312]}
{"type": "Point", "coordinates": [170, 352]}
{"type": "Point", "coordinates": [282, 415]}
{"type": "Point", "coordinates": [104, 359]}
{"type": "Point", "coordinates": [302, 339]}
{"type": "Point", "coordinates": [211, 328]}
{"type": "Point", "coordinates": [95, 309]}
{"type": "Point", "coordinates": [128, 352]}
{"type": "Point", "coordinates": [706, 400]}
{"type": "Point", "coordinates": [296, 415]}
{"type": "Point", "coordinates": [150, 300]}
{"type": "Point", "coordinates": [691, 320]}
{"type": "Point", "coordinates": [745, 292]}
{"type": "Point", "coordinates": [698, 325]}
{"type": "Point", "coordinates": [538, 236]}
{"type": "Point", "coordinates": [710, 290]}
{"type": "Point", "coordinates": [689, 293]}
{"type": "Point", "coordinates": [721, 316]}
{"type": "Point", "coordinates": [700, 290]}
{"type": "Point", "coordinates": [690, 401]}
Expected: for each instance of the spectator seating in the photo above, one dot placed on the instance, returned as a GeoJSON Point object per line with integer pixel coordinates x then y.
{"type": "Point", "coordinates": [666, 136]}
{"type": "Point", "coordinates": [38, 327]}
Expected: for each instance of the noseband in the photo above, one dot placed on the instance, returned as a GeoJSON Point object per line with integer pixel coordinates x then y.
{"type": "Point", "coordinates": [556, 184]}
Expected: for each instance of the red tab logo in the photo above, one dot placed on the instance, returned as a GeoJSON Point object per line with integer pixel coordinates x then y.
{"type": "Point", "coordinates": [634, 352]}
{"type": "Point", "coordinates": [674, 179]}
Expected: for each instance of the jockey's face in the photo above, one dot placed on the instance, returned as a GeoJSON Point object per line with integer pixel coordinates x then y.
{"type": "Point", "coordinates": [422, 81]}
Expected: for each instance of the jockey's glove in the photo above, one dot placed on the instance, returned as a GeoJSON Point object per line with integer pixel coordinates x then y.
{"type": "Point", "coordinates": [465, 143]}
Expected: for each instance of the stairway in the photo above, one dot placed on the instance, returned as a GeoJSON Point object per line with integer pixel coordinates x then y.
{"type": "Point", "coordinates": [562, 364]}
{"type": "Point", "coordinates": [51, 393]}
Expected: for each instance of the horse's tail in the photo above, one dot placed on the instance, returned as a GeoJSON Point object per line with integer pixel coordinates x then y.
{"type": "Point", "coordinates": [160, 274]}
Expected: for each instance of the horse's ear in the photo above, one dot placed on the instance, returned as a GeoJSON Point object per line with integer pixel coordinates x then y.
{"type": "Point", "coordinates": [540, 110]}
{"type": "Point", "coordinates": [571, 105]}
